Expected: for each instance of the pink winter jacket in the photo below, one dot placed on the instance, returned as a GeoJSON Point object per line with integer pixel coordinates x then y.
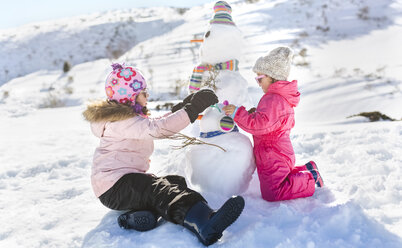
{"type": "Point", "coordinates": [270, 126]}
{"type": "Point", "coordinates": [126, 145]}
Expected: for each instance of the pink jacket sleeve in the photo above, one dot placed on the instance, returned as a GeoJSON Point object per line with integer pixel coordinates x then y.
{"type": "Point", "coordinates": [267, 118]}
{"type": "Point", "coordinates": [149, 128]}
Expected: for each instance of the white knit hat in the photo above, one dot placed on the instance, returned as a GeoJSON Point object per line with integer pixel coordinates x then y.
{"type": "Point", "coordinates": [276, 64]}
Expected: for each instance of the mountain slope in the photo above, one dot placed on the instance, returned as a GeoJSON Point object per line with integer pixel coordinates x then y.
{"type": "Point", "coordinates": [48, 45]}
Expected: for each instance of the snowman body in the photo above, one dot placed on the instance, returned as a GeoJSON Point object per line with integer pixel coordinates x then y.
{"type": "Point", "coordinates": [229, 86]}
{"type": "Point", "coordinates": [213, 170]}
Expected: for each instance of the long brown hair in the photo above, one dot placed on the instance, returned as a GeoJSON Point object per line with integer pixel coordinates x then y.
{"type": "Point", "coordinates": [144, 109]}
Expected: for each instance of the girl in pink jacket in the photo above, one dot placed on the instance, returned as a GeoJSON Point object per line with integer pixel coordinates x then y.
{"type": "Point", "coordinates": [120, 163]}
{"type": "Point", "coordinates": [270, 125]}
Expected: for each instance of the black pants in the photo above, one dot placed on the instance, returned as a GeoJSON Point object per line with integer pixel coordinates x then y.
{"type": "Point", "coordinates": [167, 196]}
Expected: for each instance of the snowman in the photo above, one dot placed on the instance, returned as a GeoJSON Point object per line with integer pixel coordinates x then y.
{"type": "Point", "coordinates": [220, 52]}
{"type": "Point", "coordinates": [226, 166]}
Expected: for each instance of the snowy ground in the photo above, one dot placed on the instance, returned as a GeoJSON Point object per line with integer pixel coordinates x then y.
{"type": "Point", "coordinates": [46, 153]}
{"type": "Point", "coordinates": [48, 202]}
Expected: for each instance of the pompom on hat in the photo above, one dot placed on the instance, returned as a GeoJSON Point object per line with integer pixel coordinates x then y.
{"type": "Point", "coordinates": [276, 64]}
{"type": "Point", "coordinates": [124, 83]}
{"type": "Point", "coordinates": [222, 14]}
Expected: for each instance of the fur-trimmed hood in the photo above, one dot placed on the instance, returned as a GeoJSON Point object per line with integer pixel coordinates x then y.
{"type": "Point", "coordinates": [104, 111]}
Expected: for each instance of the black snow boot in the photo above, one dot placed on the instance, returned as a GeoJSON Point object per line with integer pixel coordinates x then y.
{"type": "Point", "coordinates": [208, 224]}
{"type": "Point", "coordinates": [138, 220]}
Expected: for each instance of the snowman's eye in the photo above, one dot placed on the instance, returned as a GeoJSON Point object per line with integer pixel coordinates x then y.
{"type": "Point", "coordinates": [207, 34]}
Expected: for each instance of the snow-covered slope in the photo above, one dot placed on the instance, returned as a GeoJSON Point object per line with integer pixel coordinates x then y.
{"type": "Point", "coordinates": [333, 46]}
{"type": "Point", "coordinates": [47, 199]}
{"type": "Point", "coordinates": [76, 40]}
{"type": "Point", "coordinates": [347, 62]}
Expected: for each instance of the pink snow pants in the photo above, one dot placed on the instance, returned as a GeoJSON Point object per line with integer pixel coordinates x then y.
{"type": "Point", "coordinates": [279, 178]}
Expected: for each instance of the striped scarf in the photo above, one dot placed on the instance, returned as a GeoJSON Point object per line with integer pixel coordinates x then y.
{"type": "Point", "coordinates": [196, 77]}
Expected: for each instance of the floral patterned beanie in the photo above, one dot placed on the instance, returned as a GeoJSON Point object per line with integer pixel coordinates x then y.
{"type": "Point", "coordinates": [123, 85]}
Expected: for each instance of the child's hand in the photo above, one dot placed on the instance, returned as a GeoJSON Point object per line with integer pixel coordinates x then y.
{"type": "Point", "coordinates": [252, 110]}
{"type": "Point", "coordinates": [180, 105]}
{"type": "Point", "coordinates": [229, 109]}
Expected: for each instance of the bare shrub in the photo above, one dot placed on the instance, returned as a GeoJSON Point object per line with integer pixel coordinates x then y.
{"type": "Point", "coordinates": [303, 52]}
{"type": "Point", "coordinates": [66, 67]}
{"type": "Point", "coordinates": [300, 58]}
{"type": "Point", "coordinates": [6, 94]}
{"type": "Point", "coordinates": [357, 71]}
{"type": "Point", "coordinates": [363, 13]}
{"type": "Point", "coordinates": [373, 116]}
{"type": "Point", "coordinates": [118, 45]}
{"type": "Point", "coordinates": [340, 72]}
{"type": "Point", "coordinates": [323, 29]}
{"type": "Point", "coordinates": [70, 79]}
{"type": "Point", "coordinates": [52, 101]}
{"type": "Point", "coordinates": [166, 106]}
{"type": "Point", "coordinates": [378, 74]}
{"type": "Point", "coordinates": [117, 53]}
{"type": "Point", "coordinates": [114, 52]}
{"type": "Point", "coordinates": [181, 11]}
{"type": "Point", "coordinates": [302, 63]}
{"type": "Point", "coordinates": [211, 81]}
{"type": "Point", "coordinates": [295, 43]}
{"type": "Point", "coordinates": [68, 90]}
{"type": "Point", "coordinates": [303, 34]}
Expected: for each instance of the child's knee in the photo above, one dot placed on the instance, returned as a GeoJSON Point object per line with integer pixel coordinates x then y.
{"type": "Point", "coordinates": [269, 195]}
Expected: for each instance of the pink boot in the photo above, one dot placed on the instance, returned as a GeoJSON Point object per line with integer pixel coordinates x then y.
{"type": "Point", "coordinates": [312, 167]}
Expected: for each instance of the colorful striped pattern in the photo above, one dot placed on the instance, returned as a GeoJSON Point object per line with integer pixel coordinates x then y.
{"type": "Point", "coordinates": [226, 124]}
{"type": "Point", "coordinates": [222, 6]}
{"type": "Point", "coordinates": [222, 14]}
{"type": "Point", "coordinates": [222, 18]}
{"type": "Point", "coordinates": [196, 77]}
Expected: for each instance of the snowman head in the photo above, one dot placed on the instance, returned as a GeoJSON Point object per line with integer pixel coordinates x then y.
{"type": "Point", "coordinates": [214, 119]}
{"type": "Point", "coordinates": [223, 41]}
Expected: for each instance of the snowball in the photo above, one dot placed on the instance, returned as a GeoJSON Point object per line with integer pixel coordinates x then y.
{"type": "Point", "coordinates": [214, 170]}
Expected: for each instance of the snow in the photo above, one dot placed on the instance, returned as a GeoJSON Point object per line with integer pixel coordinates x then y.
{"type": "Point", "coordinates": [46, 153]}
{"type": "Point", "coordinates": [228, 172]}
{"type": "Point", "coordinates": [224, 42]}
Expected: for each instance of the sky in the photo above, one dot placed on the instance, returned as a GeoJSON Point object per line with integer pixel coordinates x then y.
{"type": "Point", "coordinates": [18, 13]}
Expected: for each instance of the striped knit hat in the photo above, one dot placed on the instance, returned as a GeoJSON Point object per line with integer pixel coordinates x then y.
{"type": "Point", "coordinates": [222, 14]}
